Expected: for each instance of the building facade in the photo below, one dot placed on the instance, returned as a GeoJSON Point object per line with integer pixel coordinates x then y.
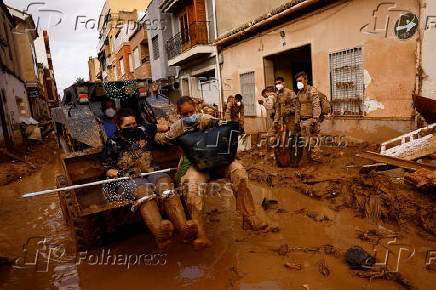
{"type": "Point", "coordinates": [191, 48]}
{"type": "Point", "coordinates": [13, 96]}
{"type": "Point", "coordinates": [366, 71]}
{"type": "Point", "coordinates": [140, 53]}
{"type": "Point", "coordinates": [94, 69]}
{"type": "Point", "coordinates": [115, 15]}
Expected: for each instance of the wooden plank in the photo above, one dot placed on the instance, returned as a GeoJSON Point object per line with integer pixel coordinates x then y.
{"type": "Point", "coordinates": [376, 167]}
{"type": "Point", "coordinates": [398, 162]}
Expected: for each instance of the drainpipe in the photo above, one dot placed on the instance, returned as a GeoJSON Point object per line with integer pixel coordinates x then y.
{"type": "Point", "coordinates": [419, 71]}
{"type": "Point", "coordinates": [217, 61]}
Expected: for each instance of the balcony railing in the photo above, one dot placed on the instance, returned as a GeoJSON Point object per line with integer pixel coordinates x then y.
{"type": "Point", "coordinates": [174, 46]}
{"type": "Point", "coordinates": [185, 40]}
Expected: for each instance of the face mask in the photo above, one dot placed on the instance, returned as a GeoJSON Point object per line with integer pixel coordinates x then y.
{"type": "Point", "coordinates": [238, 104]}
{"type": "Point", "coordinates": [110, 113]}
{"type": "Point", "coordinates": [279, 86]}
{"type": "Point", "coordinates": [190, 120]}
{"type": "Point", "coordinates": [300, 85]}
{"type": "Point", "coordinates": [130, 133]}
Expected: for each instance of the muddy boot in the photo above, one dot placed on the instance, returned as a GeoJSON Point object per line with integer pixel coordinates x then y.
{"type": "Point", "coordinates": [176, 213]}
{"type": "Point", "coordinates": [202, 240]}
{"type": "Point", "coordinates": [245, 205]}
{"type": "Point", "coordinates": [196, 206]}
{"type": "Point", "coordinates": [162, 230]}
{"type": "Point", "coordinates": [253, 223]}
{"type": "Point", "coordinates": [190, 231]}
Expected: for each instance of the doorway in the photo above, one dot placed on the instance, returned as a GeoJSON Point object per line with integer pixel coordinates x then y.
{"type": "Point", "coordinates": [286, 64]}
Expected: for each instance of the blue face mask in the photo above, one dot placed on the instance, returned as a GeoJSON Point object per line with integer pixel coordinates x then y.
{"type": "Point", "coordinates": [191, 119]}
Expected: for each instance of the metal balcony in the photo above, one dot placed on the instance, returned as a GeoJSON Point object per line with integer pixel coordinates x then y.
{"type": "Point", "coordinates": [174, 46]}
{"type": "Point", "coordinates": [195, 36]}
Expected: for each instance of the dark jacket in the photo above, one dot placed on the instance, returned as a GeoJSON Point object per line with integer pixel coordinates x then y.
{"type": "Point", "coordinates": [126, 154]}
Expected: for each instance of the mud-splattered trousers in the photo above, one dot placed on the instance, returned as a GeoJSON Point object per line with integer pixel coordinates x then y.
{"type": "Point", "coordinates": [308, 113]}
{"type": "Point", "coordinates": [195, 179]}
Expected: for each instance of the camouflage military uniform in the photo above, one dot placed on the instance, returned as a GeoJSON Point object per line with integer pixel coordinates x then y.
{"type": "Point", "coordinates": [308, 113]}
{"type": "Point", "coordinates": [285, 110]}
{"type": "Point", "coordinates": [270, 103]}
{"type": "Point", "coordinates": [194, 178]}
{"type": "Point", "coordinates": [234, 112]}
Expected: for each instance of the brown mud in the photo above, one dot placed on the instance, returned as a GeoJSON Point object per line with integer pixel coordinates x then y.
{"type": "Point", "coordinates": [321, 211]}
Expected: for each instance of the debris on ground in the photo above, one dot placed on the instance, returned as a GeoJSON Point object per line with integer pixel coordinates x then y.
{"type": "Point", "coordinates": [384, 275]}
{"type": "Point", "coordinates": [313, 215]}
{"type": "Point", "coordinates": [267, 204]}
{"type": "Point", "coordinates": [292, 265]}
{"type": "Point", "coordinates": [324, 249]}
{"type": "Point", "coordinates": [358, 258]}
{"type": "Point", "coordinates": [322, 268]}
{"type": "Point", "coordinates": [24, 160]}
{"type": "Point", "coordinates": [281, 210]}
{"type": "Point", "coordinates": [275, 229]}
{"type": "Point", "coordinates": [423, 179]}
{"type": "Point", "coordinates": [283, 250]}
{"type": "Point", "coordinates": [374, 236]}
{"type": "Point", "coordinates": [413, 145]}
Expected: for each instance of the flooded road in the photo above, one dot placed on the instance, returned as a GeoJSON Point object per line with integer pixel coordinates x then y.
{"type": "Point", "coordinates": [237, 259]}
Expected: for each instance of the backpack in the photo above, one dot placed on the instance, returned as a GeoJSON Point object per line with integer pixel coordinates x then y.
{"type": "Point", "coordinates": [213, 147]}
{"type": "Point", "coordinates": [325, 104]}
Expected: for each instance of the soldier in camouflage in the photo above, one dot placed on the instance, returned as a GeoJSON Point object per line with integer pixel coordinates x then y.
{"type": "Point", "coordinates": [235, 110]}
{"type": "Point", "coordinates": [308, 114]}
{"type": "Point", "coordinates": [285, 107]}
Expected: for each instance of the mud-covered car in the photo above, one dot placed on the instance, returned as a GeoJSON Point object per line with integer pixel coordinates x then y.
{"type": "Point", "coordinates": [81, 137]}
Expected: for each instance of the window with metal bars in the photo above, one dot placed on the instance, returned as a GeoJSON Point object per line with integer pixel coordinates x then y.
{"type": "Point", "coordinates": [346, 82]}
{"type": "Point", "coordinates": [248, 92]}
{"type": "Point", "coordinates": [155, 45]}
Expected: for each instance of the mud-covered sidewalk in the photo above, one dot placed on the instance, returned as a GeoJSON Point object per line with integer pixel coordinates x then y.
{"type": "Point", "coordinates": [316, 212]}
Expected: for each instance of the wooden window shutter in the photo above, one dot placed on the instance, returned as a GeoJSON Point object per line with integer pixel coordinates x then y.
{"type": "Point", "coordinates": [200, 10]}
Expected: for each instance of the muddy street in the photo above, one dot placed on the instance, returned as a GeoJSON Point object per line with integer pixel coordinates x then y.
{"type": "Point", "coordinates": [303, 248]}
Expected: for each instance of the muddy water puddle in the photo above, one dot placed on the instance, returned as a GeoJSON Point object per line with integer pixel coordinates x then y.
{"type": "Point", "coordinates": [237, 259]}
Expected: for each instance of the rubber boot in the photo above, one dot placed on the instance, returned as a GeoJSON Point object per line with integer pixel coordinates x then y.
{"type": "Point", "coordinates": [245, 205]}
{"type": "Point", "coordinates": [176, 213]}
{"type": "Point", "coordinates": [162, 230]}
{"type": "Point", "coordinates": [202, 241]}
{"type": "Point", "coordinates": [195, 205]}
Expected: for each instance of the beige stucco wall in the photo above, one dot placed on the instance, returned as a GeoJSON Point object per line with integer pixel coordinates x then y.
{"type": "Point", "coordinates": [389, 62]}
{"type": "Point", "coordinates": [231, 14]}
{"type": "Point", "coordinates": [428, 55]}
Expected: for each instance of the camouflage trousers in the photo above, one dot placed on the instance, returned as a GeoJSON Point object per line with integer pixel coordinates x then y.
{"type": "Point", "coordinates": [309, 130]}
